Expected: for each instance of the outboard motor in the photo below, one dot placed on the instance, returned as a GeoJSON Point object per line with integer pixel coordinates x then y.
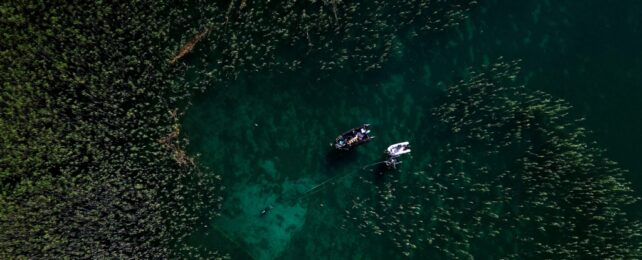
{"type": "Point", "coordinates": [394, 152]}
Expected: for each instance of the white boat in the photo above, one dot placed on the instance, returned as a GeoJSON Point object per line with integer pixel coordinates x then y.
{"type": "Point", "coordinates": [393, 153]}
{"type": "Point", "coordinates": [398, 149]}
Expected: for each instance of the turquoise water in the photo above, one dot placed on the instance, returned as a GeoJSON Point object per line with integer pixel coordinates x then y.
{"type": "Point", "coordinates": [273, 157]}
{"type": "Point", "coordinates": [267, 134]}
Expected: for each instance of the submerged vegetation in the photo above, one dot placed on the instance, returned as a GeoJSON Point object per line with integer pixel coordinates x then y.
{"type": "Point", "coordinates": [275, 36]}
{"type": "Point", "coordinates": [521, 176]}
{"type": "Point", "coordinates": [92, 165]}
{"type": "Point", "coordinates": [92, 160]}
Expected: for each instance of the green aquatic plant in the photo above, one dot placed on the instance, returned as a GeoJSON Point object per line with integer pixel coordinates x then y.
{"type": "Point", "coordinates": [91, 163]}
{"type": "Point", "coordinates": [277, 36]}
{"type": "Point", "coordinates": [519, 178]}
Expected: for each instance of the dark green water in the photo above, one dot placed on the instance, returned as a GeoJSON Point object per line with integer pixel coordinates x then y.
{"type": "Point", "coordinates": [268, 135]}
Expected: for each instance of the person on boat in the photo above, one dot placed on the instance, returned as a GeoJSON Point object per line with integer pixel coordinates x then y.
{"type": "Point", "coordinates": [353, 139]}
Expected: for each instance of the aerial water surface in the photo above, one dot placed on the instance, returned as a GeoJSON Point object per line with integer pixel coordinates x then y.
{"type": "Point", "coordinates": [267, 134]}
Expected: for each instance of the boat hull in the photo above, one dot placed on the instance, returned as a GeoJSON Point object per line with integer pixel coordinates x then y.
{"type": "Point", "coordinates": [352, 138]}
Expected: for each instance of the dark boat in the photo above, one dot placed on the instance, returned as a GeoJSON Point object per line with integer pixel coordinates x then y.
{"type": "Point", "coordinates": [353, 137]}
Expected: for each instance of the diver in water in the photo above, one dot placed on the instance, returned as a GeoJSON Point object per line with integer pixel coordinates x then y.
{"type": "Point", "coordinates": [266, 210]}
{"type": "Point", "coordinates": [392, 162]}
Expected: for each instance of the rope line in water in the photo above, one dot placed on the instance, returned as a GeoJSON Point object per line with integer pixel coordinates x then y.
{"type": "Point", "coordinates": [372, 164]}
{"type": "Point", "coordinates": [315, 189]}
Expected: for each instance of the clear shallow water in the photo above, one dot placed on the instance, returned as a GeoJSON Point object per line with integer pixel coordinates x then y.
{"type": "Point", "coordinates": [272, 146]}
{"type": "Point", "coordinates": [268, 135]}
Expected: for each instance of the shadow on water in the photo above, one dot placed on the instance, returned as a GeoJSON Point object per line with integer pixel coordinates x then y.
{"type": "Point", "coordinates": [381, 172]}
{"type": "Point", "coordinates": [338, 159]}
